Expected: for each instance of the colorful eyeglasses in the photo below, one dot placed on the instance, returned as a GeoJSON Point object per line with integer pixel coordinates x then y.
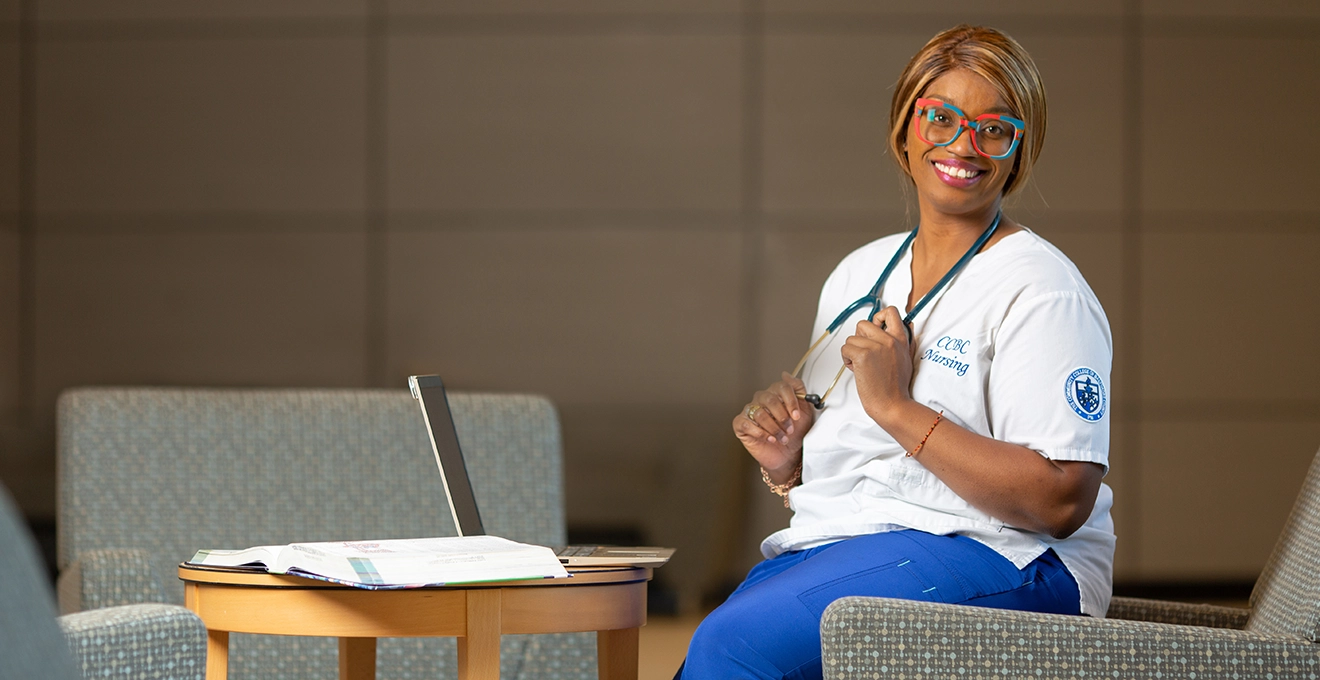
{"type": "Point", "coordinates": [994, 135]}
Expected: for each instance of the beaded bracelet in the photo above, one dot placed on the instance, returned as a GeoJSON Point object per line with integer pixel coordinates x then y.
{"type": "Point", "coordinates": [913, 452]}
{"type": "Point", "coordinates": [782, 490]}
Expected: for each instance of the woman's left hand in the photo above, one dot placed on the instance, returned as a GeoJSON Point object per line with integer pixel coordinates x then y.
{"type": "Point", "coordinates": [881, 362]}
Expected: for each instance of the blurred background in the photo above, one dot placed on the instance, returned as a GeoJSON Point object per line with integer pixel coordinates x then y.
{"type": "Point", "coordinates": [630, 207]}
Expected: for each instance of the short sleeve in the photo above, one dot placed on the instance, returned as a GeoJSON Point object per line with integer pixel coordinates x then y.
{"type": "Point", "coordinates": [1049, 387]}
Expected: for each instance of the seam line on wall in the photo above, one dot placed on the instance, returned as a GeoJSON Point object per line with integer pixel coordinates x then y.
{"type": "Point", "coordinates": [1129, 438]}
{"type": "Point", "coordinates": [723, 24]}
{"type": "Point", "coordinates": [928, 24]}
{"type": "Point", "coordinates": [1230, 410]}
{"type": "Point", "coordinates": [376, 296]}
{"type": "Point", "coordinates": [1053, 220]}
{"type": "Point", "coordinates": [27, 235]}
{"type": "Point", "coordinates": [1273, 28]}
{"type": "Point", "coordinates": [752, 189]}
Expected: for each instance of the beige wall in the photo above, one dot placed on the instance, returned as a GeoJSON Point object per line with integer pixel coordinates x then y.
{"type": "Point", "coordinates": [630, 207]}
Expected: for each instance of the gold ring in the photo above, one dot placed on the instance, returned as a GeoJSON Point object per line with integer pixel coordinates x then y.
{"type": "Point", "coordinates": [752, 411]}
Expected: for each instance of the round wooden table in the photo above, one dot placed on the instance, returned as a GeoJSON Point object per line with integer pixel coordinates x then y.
{"type": "Point", "coordinates": [610, 601]}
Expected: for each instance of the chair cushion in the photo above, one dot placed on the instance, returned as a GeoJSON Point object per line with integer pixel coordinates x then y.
{"type": "Point", "coordinates": [1286, 599]}
{"type": "Point", "coordinates": [31, 645]}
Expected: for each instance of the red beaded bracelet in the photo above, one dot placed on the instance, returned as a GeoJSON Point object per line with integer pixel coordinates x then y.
{"type": "Point", "coordinates": [938, 418]}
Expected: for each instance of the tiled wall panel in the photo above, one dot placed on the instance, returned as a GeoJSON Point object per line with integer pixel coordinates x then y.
{"type": "Point", "coordinates": [641, 8]}
{"type": "Point", "coordinates": [1229, 316]}
{"type": "Point", "coordinates": [1080, 167]}
{"type": "Point", "coordinates": [528, 122]}
{"type": "Point", "coordinates": [670, 471]}
{"type": "Point", "coordinates": [27, 470]}
{"type": "Point", "coordinates": [1216, 494]}
{"type": "Point", "coordinates": [1124, 478]}
{"type": "Point", "coordinates": [136, 10]}
{"type": "Point", "coordinates": [955, 10]}
{"type": "Point", "coordinates": [9, 131]}
{"type": "Point", "coordinates": [603, 316]}
{"type": "Point", "coordinates": [226, 308]}
{"type": "Point", "coordinates": [826, 103]}
{"type": "Point", "coordinates": [9, 325]}
{"type": "Point", "coordinates": [16, 454]}
{"type": "Point", "coordinates": [1231, 9]}
{"type": "Point", "coordinates": [201, 125]}
{"type": "Point", "coordinates": [1212, 109]}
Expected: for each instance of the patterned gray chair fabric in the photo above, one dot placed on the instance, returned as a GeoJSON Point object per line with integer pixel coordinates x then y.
{"type": "Point", "coordinates": [147, 642]}
{"type": "Point", "coordinates": [147, 476]}
{"type": "Point", "coordinates": [877, 637]}
{"type": "Point", "coordinates": [139, 641]}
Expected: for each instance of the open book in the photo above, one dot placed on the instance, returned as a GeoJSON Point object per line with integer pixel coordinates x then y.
{"type": "Point", "coordinates": [397, 563]}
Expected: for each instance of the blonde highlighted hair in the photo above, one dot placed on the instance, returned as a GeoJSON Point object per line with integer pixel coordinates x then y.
{"type": "Point", "coordinates": [991, 54]}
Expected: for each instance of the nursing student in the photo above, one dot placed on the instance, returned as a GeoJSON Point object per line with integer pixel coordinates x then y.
{"type": "Point", "coordinates": [945, 437]}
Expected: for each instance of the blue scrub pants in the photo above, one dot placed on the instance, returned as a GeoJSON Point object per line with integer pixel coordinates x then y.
{"type": "Point", "coordinates": [770, 626]}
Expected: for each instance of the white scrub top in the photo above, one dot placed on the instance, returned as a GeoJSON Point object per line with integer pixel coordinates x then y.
{"type": "Point", "coordinates": [1017, 348]}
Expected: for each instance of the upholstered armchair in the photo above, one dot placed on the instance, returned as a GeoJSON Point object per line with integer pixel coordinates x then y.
{"type": "Point", "coordinates": [1276, 638]}
{"type": "Point", "coordinates": [149, 476]}
{"type": "Point", "coordinates": [147, 642]}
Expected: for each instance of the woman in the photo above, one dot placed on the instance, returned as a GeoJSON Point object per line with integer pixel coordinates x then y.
{"type": "Point", "coordinates": [959, 457]}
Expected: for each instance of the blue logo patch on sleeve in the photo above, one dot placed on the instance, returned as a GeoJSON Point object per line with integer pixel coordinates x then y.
{"type": "Point", "coordinates": [1086, 394]}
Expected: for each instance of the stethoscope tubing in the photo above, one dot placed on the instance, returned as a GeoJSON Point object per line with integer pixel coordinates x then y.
{"type": "Point", "coordinates": [873, 299]}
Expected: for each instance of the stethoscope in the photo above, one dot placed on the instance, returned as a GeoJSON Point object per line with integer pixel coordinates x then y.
{"type": "Point", "coordinates": [872, 299]}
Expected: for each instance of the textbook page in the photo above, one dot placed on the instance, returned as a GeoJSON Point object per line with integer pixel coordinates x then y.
{"type": "Point", "coordinates": [400, 563]}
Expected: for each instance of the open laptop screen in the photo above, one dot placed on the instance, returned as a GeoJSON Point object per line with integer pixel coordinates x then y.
{"type": "Point", "coordinates": [430, 391]}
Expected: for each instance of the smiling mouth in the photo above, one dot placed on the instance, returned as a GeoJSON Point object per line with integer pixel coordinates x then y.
{"type": "Point", "coordinates": [958, 173]}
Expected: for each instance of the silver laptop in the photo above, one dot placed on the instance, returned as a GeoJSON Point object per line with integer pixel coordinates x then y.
{"type": "Point", "coordinates": [429, 391]}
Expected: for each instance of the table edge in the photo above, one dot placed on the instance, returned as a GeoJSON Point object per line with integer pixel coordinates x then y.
{"type": "Point", "coordinates": [579, 576]}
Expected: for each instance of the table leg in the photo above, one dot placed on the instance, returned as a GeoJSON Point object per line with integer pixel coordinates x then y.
{"type": "Point", "coordinates": [479, 650]}
{"type": "Point", "coordinates": [217, 655]}
{"type": "Point", "coordinates": [616, 654]}
{"type": "Point", "coordinates": [217, 641]}
{"type": "Point", "coordinates": [357, 658]}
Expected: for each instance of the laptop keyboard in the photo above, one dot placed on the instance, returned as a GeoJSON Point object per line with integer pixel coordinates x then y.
{"type": "Point", "coordinates": [575, 550]}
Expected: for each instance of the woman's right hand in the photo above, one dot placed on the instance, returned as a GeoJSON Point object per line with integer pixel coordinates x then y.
{"type": "Point", "coordinates": [773, 435]}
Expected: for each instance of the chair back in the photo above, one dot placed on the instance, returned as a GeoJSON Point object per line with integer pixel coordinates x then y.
{"type": "Point", "coordinates": [31, 644]}
{"type": "Point", "coordinates": [1286, 599]}
{"type": "Point", "coordinates": [171, 471]}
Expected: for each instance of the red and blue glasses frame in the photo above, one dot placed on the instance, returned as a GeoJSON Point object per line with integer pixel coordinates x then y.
{"type": "Point", "coordinates": [929, 105]}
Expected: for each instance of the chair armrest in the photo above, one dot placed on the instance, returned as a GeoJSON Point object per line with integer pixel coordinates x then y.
{"type": "Point", "coordinates": [142, 641]}
{"type": "Point", "coordinates": [874, 637]}
{"type": "Point", "coordinates": [1178, 613]}
{"type": "Point", "coordinates": [108, 578]}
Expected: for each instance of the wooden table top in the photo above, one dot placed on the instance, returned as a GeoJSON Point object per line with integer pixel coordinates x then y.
{"type": "Point", "coordinates": [238, 576]}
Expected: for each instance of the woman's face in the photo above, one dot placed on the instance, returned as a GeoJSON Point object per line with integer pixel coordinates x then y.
{"type": "Point", "coordinates": [955, 179]}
